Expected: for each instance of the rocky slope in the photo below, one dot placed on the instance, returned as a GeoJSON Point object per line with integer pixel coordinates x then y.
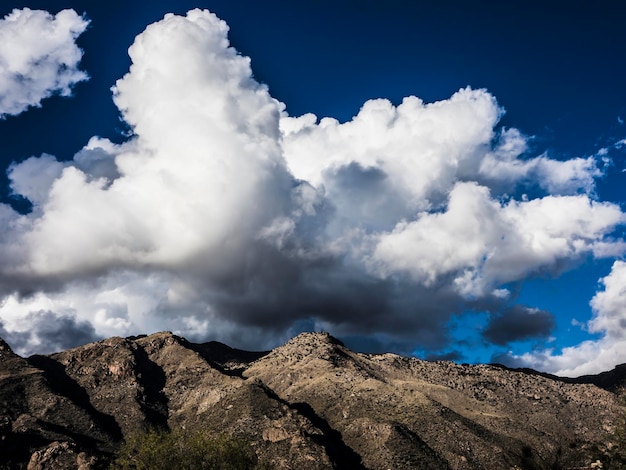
{"type": "Point", "coordinates": [309, 404]}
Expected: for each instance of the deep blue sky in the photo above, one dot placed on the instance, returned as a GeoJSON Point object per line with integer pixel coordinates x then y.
{"type": "Point", "coordinates": [557, 68]}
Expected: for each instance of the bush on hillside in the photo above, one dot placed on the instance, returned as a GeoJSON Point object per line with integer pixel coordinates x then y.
{"type": "Point", "coordinates": [160, 450]}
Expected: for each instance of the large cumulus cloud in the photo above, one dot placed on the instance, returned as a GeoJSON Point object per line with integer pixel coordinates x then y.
{"type": "Point", "coordinates": [38, 57]}
{"type": "Point", "coordinates": [224, 217]}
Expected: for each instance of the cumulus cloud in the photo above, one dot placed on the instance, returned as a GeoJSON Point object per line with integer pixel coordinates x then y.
{"type": "Point", "coordinates": [504, 167]}
{"type": "Point", "coordinates": [609, 305]}
{"type": "Point", "coordinates": [425, 149]}
{"type": "Point", "coordinates": [38, 57]}
{"type": "Point", "coordinates": [591, 356]}
{"type": "Point", "coordinates": [223, 217]}
{"type": "Point", "coordinates": [481, 243]}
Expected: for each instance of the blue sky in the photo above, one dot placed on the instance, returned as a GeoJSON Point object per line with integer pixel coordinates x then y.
{"type": "Point", "coordinates": [478, 229]}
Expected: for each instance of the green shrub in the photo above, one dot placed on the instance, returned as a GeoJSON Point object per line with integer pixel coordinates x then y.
{"type": "Point", "coordinates": [156, 450]}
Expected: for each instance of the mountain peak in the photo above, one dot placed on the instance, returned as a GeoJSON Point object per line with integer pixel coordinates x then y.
{"type": "Point", "coordinates": [314, 339]}
{"type": "Point", "coordinates": [307, 347]}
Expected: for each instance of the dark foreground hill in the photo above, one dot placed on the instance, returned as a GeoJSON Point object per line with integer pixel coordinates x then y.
{"type": "Point", "coordinates": [309, 404]}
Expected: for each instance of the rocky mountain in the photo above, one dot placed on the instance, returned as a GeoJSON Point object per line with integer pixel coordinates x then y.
{"type": "Point", "coordinates": [309, 404]}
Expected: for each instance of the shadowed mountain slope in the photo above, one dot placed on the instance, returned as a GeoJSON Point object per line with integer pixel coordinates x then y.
{"type": "Point", "coordinates": [309, 404]}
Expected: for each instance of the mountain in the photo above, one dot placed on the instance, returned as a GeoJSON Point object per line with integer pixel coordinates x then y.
{"type": "Point", "coordinates": [309, 404]}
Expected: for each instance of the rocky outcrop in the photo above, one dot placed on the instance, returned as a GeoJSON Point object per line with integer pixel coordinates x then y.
{"type": "Point", "coordinates": [311, 403]}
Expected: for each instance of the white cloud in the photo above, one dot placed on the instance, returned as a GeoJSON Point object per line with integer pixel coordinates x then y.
{"type": "Point", "coordinates": [424, 149]}
{"type": "Point", "coordinates": [206, 146]}
{"type": "Point", "coordinates": [479, 243]}
{"type": "Point", "coordinates": [33, 178]}
{"type": "Point", "coordinates": [421, 148]}
{"type": "Point", "coordinates": [223, 217]}
{"type": "Point", "coordinates": [38, 57]}
{"type": "Point", "coordinates": [609, 305]}
{"type": "Point", "coordinates": [190, 200]}
{"type": "Point", "coordinates": [592, 356]}
{"type": "Point", "coordinates": [556, 177]}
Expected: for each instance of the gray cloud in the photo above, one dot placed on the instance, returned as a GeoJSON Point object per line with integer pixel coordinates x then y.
{"type": "Point", "coordinates": [519, 323]}
{"type": "Point", "coordinates": [49, 332]}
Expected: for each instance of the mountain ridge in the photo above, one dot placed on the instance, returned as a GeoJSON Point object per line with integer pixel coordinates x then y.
{"type": "Point", "coordinates": [310, 403]}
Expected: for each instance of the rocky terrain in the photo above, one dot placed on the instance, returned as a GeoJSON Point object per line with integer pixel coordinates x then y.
{"type": "Point", "coordinates": [309, 404]}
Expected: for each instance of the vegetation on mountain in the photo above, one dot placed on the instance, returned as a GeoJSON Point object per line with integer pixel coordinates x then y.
{"type": "Point", "coordinates": [184, 450]}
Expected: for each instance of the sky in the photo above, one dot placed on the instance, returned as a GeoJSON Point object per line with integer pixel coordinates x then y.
{"type": "Point", "coordinates": [444, 181]}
